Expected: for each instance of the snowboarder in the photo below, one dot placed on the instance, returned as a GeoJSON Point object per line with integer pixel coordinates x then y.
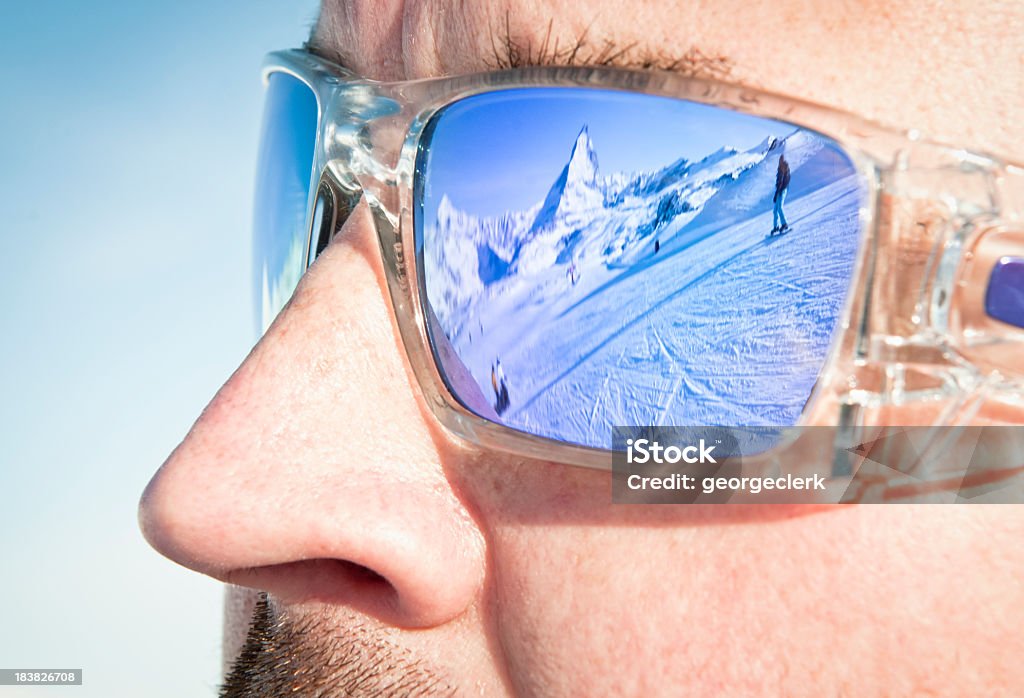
{"type": "Point", "coordinates": [501, 401]}
{"type": "Point", "coordinates": [574, 273]}
{"type": "Point", "coordinates": [781, 187]}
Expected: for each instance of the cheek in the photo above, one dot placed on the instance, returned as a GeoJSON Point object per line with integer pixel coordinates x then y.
{"type": "Point", "coordinates": [584, 610]}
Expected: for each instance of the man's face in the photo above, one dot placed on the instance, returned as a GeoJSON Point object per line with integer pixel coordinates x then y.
{"type": "Point", "coordinates": [401, 562]}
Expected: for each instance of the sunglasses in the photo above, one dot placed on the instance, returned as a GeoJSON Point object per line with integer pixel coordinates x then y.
{"type": "Point", "coordinates": [571, 249]}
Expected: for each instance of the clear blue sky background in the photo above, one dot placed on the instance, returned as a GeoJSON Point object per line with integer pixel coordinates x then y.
{"type": "Point", "coordinates": [502, 151]}
{"type": "Point", "coordinates": [127, 140]}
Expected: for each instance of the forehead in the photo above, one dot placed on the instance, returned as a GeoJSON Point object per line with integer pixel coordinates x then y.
{"type": "Point", "coordinates": [403, 40]}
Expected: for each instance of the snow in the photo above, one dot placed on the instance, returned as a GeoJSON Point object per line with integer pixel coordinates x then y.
{"type": "Point", "coordinates": [721, 326]}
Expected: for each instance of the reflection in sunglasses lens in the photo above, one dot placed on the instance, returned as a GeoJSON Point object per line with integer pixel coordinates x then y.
{"type": "Point", "coordinates": [594, 258]}
{"type": "Point", "coordinates": [285, 167]}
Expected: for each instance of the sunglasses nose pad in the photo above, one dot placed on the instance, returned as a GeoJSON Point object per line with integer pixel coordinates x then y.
{"type": "Point", "coordinates": [321, 224]}
{"type": "Point", "coordinates": [987, 308]}
{"type": "Point", "coordinates": [330, 211]}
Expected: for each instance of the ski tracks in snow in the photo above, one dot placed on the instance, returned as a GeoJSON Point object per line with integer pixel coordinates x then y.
{"type": "Point", "coordinates": [736, 343]}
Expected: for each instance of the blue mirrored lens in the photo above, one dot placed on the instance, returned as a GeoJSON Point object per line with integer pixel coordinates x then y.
{"type": "Point", "coordinates": [594, 258]}
{"type": "Point", "coordinates": [284, 172]}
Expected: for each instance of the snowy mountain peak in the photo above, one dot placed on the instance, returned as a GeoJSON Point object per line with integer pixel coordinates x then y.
{"type": "Point", "coordinates": [582, 165]}
{"type": "Point", "coordinates": [577, 188]}
{"type": "Point", "coordinates": [449, 216]}
{"type": "Point", "coordinates": [445, 208]}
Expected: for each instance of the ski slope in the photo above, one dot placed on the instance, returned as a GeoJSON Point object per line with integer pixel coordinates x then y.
{"type": "Point", "coordinates": [722, 326]}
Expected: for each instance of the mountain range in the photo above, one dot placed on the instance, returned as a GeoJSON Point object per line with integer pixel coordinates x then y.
{"type": "Point", "coordinates": [590, 219]}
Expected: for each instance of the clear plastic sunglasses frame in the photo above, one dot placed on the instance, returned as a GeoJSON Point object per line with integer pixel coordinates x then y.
{"type": "Point", "coordinates": [915, 345]}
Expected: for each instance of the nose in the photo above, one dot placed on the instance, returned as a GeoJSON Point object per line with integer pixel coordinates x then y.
{"type": "Point", "coordinates": [314, 473]}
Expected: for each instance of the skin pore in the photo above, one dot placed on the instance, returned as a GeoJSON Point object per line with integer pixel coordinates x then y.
{"type": "Point", "coordinates": [399, 561]}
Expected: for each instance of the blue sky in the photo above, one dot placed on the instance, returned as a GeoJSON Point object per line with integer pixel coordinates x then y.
{"type": "Point", "coordinates": [502, 151]}
{"type": "Point", "coordinates": [128, 137]}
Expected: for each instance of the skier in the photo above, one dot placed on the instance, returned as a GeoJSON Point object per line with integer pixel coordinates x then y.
{"type": "Point", "coordinates": [781, 187]}
{"type": "Point", "coordinates": [500, 388]}
{"type": "Point", "coordinates": [657, 246]}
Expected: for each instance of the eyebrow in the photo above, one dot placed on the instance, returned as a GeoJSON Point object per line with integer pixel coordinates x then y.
{"type": "Point", "coordinates": [507, 52]}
